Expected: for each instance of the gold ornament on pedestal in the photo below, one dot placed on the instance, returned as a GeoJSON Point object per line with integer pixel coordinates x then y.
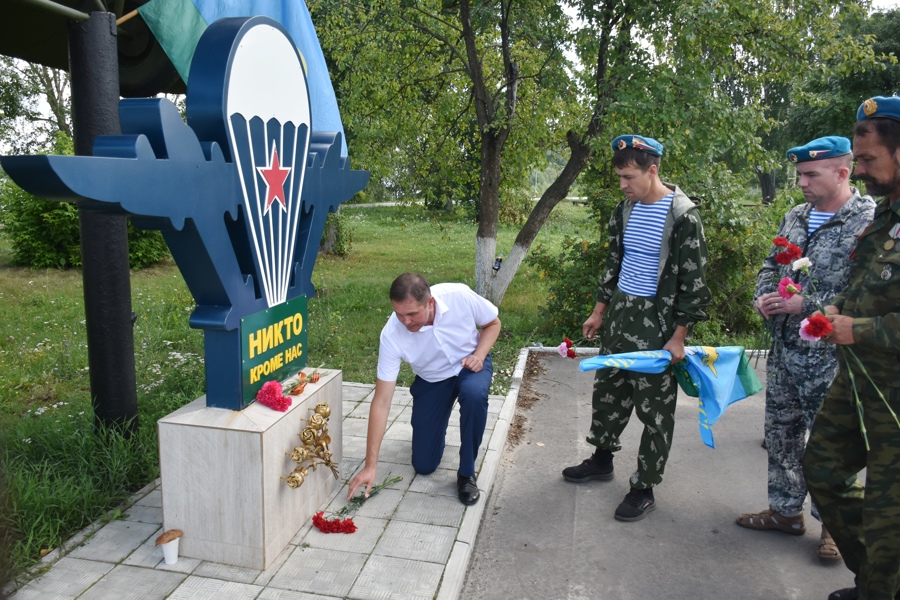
{"type": "Point", "coordinates": [314, 449]}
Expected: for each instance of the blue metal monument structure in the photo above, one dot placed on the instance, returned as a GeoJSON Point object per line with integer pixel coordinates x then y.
{"type": "Point", "coordinates": [240, 193]}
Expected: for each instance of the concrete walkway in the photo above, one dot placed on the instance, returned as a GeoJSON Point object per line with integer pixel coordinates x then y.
{"type": "Point", "coordinates": [554, 540]}
{"type": "Point", "coordinates": [413, 542]}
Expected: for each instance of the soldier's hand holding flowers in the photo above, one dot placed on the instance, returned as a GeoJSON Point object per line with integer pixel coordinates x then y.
{"type": "Point", "coordinates": [827, 324]}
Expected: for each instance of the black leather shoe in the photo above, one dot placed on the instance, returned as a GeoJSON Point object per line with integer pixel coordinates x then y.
{"type": "Point", "coordinates": [467, 488]}
{"type": "Point", "coordinates": [844, 594]}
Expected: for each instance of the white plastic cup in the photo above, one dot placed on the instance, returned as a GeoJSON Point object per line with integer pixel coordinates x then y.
{"type": "Point", "coordinates": [170, 551]}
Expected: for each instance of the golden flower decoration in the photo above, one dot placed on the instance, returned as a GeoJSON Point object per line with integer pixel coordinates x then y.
{"type": "Point", "coordinates": [294, 480]}
{"type": "Point", "coordinates": [317, 421]}
{"type": "Point", "coordinates": [299, 454]}
{"type": "Point", "coordinates": [308, 436]}
{"type": "Point", "coordinates": [323, 409]}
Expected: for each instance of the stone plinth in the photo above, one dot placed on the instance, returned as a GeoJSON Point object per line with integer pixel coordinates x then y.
{"type": "Point", "coordinates": [223, 472]}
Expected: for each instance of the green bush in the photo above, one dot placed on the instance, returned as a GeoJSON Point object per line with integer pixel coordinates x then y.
{"type": "Point", "coordinates": [337, 238]}
{"type": "Point", "coordinates": [45, 234]}
{"type": "Point", "coordinates": [738, 233]}
{"type": "Point", "coordinates": [574, 274]}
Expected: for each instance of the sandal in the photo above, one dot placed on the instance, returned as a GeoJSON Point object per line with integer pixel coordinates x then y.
{"type": "Point", "coordinates": [828, 550]}
{"type": "Point", "coordinates": [770, 520]}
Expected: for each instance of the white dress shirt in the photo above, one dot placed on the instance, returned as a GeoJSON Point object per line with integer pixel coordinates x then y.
{"type": "Point", "coordinates": [435, 351]}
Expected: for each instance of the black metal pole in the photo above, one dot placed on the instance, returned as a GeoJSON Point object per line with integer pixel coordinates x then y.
{"type": "Point", "coordinates": [94, 71]}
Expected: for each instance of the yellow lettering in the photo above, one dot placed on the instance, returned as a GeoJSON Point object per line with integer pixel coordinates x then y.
{"type": "Point", "coordinates": [298, 323]}
{"type": "Point", "coordinates": [287, 327]}
{"type": "Point", "coordinates": [255, 343]}
{"type": "Point", "coordinates": [266, 340]}
{"type": "Point", "coordinates": [278, 339]}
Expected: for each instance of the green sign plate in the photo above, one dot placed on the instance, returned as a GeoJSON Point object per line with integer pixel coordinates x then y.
{"type": "Point", "coordinates": [273, 345]}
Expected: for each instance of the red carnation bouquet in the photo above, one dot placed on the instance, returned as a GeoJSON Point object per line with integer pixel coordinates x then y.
{"type": "Point", "coordinates": [566, 349]}
{"type": "Point", "coordinates": [271, 395]}
{"type": "Point", "coordinates": [338, 525]}
{"type": "Point", "coordinates": [333, 525]}
{"type": "Point", "coordinates": [790, 253]}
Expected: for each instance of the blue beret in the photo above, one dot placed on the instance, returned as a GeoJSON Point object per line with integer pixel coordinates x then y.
{"type": "Point", "coordinates": [819, 149]}
{"type": "Point", "coordinates": [886, 107]}
{"type": "Point", "coordinates": [638, 142]}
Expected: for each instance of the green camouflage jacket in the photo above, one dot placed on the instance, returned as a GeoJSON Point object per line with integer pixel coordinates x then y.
{"type": "Point", "coordinates": [872, 297]}
{"type": "Point", "coordinates": [682, 294]}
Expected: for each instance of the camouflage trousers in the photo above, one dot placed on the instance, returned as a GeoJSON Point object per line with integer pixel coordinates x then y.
{"type": "Point", "coordinates": [797, 380]}
{"type": "Point", "coordinates": [864, 520]}
{"type": "Point", "coordinates": [631, 323]}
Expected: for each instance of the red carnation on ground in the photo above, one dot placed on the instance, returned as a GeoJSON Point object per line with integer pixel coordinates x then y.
{"type": "Point", "coordinates": [333, 525]}
{"type": "Point", "coordinates": [271, 395]}
{"type": "Point", "coordinates": [781, 242]}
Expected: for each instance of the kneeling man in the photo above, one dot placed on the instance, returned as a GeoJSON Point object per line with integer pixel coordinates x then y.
{"type": "Point", "coordinates": [445, 332]}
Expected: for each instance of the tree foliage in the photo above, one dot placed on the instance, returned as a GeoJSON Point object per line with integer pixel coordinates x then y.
{"type": "Point", "coordinates": [430, 90]}
{"type": "Point", "coordinates": [826, 100]}
{"type": "Point", "coordinates": [34, 106]}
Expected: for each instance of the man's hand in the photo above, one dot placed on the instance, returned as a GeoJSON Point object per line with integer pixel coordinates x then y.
{"type": "Point", "coordinates": [772, 303]}
{"type": "Point", "coordinates": [676, 348]}
{"type": "Point", "coordinates": [594, 322]}
{"type": "Point", "coordinates": [365, 477]}
{"type": "Point", "coordinates": [675, 345]}
{"type": "Point", "coordinates": [843, 329]}
{"type": "Point", "coordinates": [473, 363]}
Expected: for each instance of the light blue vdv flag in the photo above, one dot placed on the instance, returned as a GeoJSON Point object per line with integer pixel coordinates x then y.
{"type": "Point", "coordinates": [718, 376]}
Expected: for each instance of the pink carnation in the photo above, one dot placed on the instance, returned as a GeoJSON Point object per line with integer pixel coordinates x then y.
{"type": "Point", "coordinates": [271, 395]}
{"type": "Point", "coordinates": [563, 350]}
{"type": "Point", "coordinates": [787, 287]}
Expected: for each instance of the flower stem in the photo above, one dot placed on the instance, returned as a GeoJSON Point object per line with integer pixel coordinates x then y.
{"type": "Point", "coordinates": [859, 408]}
{"type": "Point", "coordinates": [357, 501]}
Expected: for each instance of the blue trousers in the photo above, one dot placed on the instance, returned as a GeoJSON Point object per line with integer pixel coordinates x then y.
{"type": "Point", "coordinates": [432, 405]}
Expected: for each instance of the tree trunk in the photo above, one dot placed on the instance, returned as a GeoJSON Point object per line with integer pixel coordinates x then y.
{"type": "Point", "coordinates": [488, 214]}
{"type": "Point", "coordinates": [498, 283]}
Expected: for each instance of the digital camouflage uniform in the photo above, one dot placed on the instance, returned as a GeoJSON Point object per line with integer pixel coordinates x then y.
{"type": "Point", "coordinates": [635, 323]}
{"type": "Point", "coordinates": [865, 521]}
{"type": "Point", "coordinates": [798, 373]}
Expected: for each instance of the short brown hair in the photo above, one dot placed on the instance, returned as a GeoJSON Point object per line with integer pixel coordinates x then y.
{"type": "Point", "coordinates": [410, 285]}
{"type": "Point", "coordinates": [888, 131]}
{"type": "Point", "coordinates": [632, 156]}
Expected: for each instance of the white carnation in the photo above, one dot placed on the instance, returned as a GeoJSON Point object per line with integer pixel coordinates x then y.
{"type": "Point", "coordinates": [802, 264]}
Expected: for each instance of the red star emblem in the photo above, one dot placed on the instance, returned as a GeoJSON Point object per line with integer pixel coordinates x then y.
{"type": "Point", "coordinates": [275, 177]}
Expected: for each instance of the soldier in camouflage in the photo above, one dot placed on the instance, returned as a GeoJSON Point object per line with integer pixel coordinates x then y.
{"type": "Point", "coordinates": [850, 435]}
{"type": "Point", "coordinates": [798, 372]}
{"type": "Point", "coordinates": [652, 292]}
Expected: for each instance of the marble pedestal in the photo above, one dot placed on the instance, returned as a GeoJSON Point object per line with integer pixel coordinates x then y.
{"type": "Point", "coordinates": [223, 473]}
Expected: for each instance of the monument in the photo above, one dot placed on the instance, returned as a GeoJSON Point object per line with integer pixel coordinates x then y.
{"type": "Point", "coordinates": [241, 193]}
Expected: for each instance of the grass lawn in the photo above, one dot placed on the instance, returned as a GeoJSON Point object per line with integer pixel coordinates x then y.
{"type": "Point", "coordinates": [57, 476]}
